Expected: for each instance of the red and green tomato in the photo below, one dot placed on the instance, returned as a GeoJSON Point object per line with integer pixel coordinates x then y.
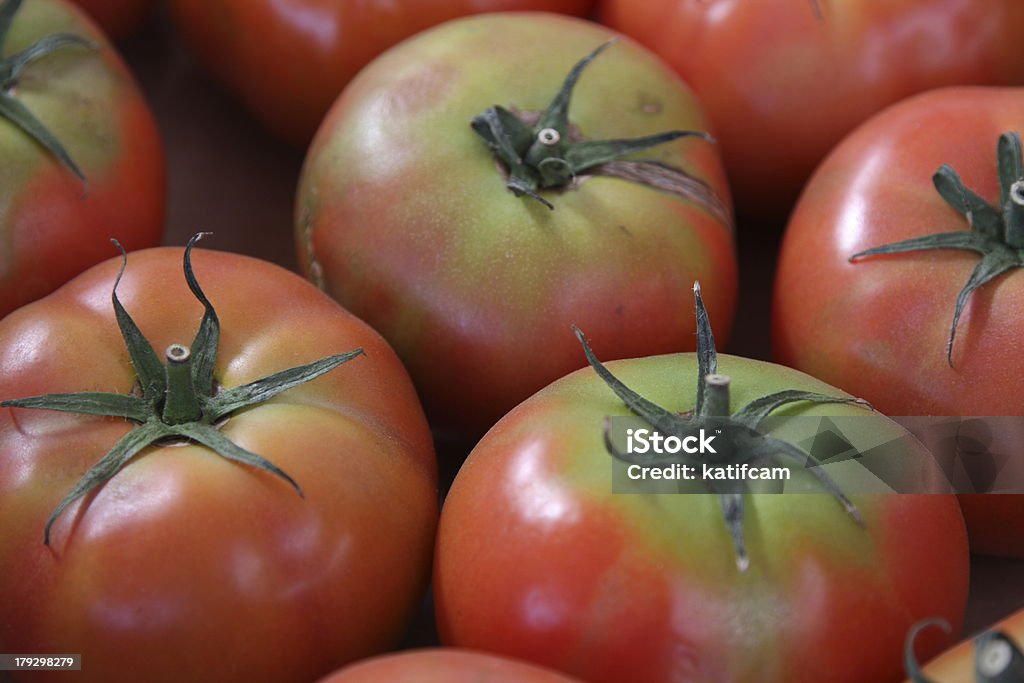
{"type": "Point", "coordinates": [403, 214]}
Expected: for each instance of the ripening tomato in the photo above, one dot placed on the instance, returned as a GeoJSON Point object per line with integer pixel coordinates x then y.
{"type": "Point", "coordinates": [538, 558]}
{"type": "Point", "coordinates": [117, 18]}
{"type": "Point", "coordinates": [406, 217]}
{"type": "Point", "coordinates": [784, 80]}
{"type": "Point", "coordinates": [881, 326]}
{"type": "Point", "coordinates": [447, 665]}
{"type": "Point", "coordinates": [287, 61]}
{"type": "Point", "coordinates": [184, 565]}
{"type": "Point", "coordinates": [57, 215]}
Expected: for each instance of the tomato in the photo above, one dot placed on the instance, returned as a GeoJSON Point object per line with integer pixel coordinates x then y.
{"type": "Point", "coordinates": [55, 225]}
{"type": "Point", "coordinates": [185, 565]}
{"type": "Point", "coordinates": [308, 50]}
{"type": "Point", "coordinates": [783, 83]}
{"type": "Point", "coordinates": [958, 664]}
{"type": "Point", "coordinates": [880, 327]}
{"type": "Point", "coordinates": [403, 213]}
{"type": "Point", "coordinates": [612, 587]}
{"type": "Point", "coordinates": [117, 18]}
{"type": "Point", "coordinates": [444, 666]}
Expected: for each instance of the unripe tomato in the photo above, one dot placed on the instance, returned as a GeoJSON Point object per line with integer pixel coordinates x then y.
{"type": "Point", "coordinates": [404, 216]}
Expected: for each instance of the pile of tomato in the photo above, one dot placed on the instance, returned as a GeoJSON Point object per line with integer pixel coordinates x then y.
{"type": "Point", "coordinates": [374, 441]}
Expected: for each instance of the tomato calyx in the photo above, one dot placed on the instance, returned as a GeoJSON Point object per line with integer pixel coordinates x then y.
{"type": "Point", "coordinates": [546, 152]}
{"type": "Point", "coordinates": [180, 400]}
{"type": "Point", "coordinates": [745, 442]}
{"type": "Point", "coordinates": [994, 233]}
{"type": "Point", "coordinates": [997, 659]}
{"type": "Point", "coordinates": [11, 68]}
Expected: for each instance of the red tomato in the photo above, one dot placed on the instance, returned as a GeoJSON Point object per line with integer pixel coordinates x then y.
{"type": "Point", "coordinates": [117, 18]}
{"type": "Point", "coordinates": [307, 50]}
{"type": "Point", "coordinates": [53, 224]}
{"type": "Point", "coordinates": [404, 216]}
{"type": "Point", "coordinates": [783, 84]}
{"type": "Point", "coordinates": [445, 666]}
{"type": "Point", "coordinates": [186, 566]}
{"type": "Point", "coordinates": [537, 558]}
{"type": "Point", "coordinates": [958, 664]}
{"type": "Point", "coordinates": [880, 327]}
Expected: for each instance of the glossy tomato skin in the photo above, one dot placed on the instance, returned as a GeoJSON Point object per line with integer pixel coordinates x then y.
{"type": "Point", "coordinates": [117, 18]}
{"type": "Point", "coordinates": [445, 665]}
{"type": "Point", "coordinates": [783, 86]}
{"type": "Point", "coordinates": [615, 587]}
{"type": "Point", "coordinates": [308, 50]}
{"type": "Point", "coordinates": [879, 328]}
{"type": "Point", "coordinates": [957, 665]}
{"type": "Point", "coordinates": [404, 217]}
{"type": "Point", "coordinates": [53, 226]}
{"type": "Point", "coordinates": [186, 566]}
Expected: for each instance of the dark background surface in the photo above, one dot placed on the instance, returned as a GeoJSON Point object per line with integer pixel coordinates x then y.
{"type": "Point", "coordinates": [228, 176]}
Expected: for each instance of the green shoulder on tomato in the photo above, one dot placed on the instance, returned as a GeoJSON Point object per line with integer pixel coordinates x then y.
{"type": "Point", "coordinates": [406, 217]}
{"type": "Point", "coordinates": [799, 586]}
{"type": "Point", "coordinates": [57, 215]}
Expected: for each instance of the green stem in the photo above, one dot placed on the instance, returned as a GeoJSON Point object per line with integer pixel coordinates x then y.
{"type": "Point", "coordinates": [180, 399]}
{"type": "Point", "coordinates": [716, 395]}
{"type": "Point", "coordinates": [546, 145]}
{"type": "Point", "coordinates": [996, 232]}
{"type": "Point", "coordinates": [182, 403]}
{"type": "Point", "coordinates": [738, 438]}
{"type": "Point", "coordinates": [545, 155]}
{"type": "Point", "coordinates": [1015, 216]}
{"type": "Point", "coordinates": [910, 662]}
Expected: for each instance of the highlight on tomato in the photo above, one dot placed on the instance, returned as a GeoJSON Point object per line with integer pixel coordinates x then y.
{"type": "Point", "coordinates": [899, 278]}
{"type": "Point", "coordinates": [472, 209]}
{"type": "Point", "coordinates": [257, 502]}
{"type": "Point", "coordinates": [82, 157]}
{"type": "Point", "coordinates": [716, 583]}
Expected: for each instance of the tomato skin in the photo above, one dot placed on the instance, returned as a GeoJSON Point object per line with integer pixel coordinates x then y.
{"type": "Point", "coordinates": [117, 18]}
{"type": "Point", "coordinates": [186, 566]}
{"type": "Point", "coordinates": [445, 665]}
{"type": "Point", "coordinates": [53, 226]}
{"type": "Point", "coordinates": [957, 664]}
{"type": "Point", "coordinates": [884, 338]}
{"type": "Point", "coordinates": [404, 228]}
{"type": "Point", "coordinates": [613, 587]}
{"type": "Point", "coordinates": [309, 50]}
{"type": "Point", "coordinates": [782, 87]}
